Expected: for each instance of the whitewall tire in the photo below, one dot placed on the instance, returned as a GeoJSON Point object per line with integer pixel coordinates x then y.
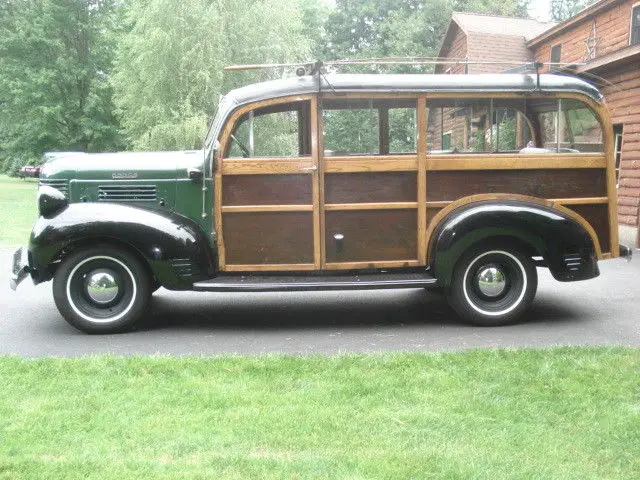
{"type": "Point", "coordinates": [493, 285]}
{"type": "Point", "coordinates": [101, 289]}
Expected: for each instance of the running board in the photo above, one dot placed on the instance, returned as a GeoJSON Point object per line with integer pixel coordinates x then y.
{"type": "Point", "coordinates": [273, 283]}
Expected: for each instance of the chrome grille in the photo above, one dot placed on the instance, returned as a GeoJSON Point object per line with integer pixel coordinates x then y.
{"type": "Point", "coordinates": [127, 193]}
{"type": "Point", "coordinates": [61, 184]}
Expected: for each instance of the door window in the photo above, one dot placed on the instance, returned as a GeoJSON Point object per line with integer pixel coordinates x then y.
{"type": "Point", "coordinates": [274, 131]}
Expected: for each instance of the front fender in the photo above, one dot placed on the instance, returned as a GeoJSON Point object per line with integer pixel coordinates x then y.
{"type": "Point", "coordinates": [174, 247]}
{"type": "Point", "coordinates": [566, 246]}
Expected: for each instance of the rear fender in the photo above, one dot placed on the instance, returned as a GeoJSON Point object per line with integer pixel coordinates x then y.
{"type": "Point", "coordinates": [568, 246]}
{"type": "Point", "coordinates": [174, 247]}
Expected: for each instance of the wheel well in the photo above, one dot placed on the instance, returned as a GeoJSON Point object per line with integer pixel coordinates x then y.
{"type": "Point", "coordinates": [489, 242]}
{"type": "Point", "coordinates": [97, 241]}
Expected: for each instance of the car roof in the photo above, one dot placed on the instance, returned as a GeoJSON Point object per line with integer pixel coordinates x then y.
{"type": "Point", "coordinates": [413, 83]}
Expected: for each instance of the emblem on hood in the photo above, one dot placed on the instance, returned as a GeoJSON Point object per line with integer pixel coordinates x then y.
{"type": "Point", "coordinates": [124, 175]}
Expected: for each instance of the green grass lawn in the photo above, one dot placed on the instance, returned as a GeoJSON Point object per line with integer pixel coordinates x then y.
{"type": "Point", "coordinates": [18, 210]}
{"type": "Point", "coordinates": [566, 413]}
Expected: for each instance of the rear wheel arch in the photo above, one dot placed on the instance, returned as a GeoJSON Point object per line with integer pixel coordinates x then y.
{"type": "Point", "coordinates": [539, 227]}
{"type": "Point", "coordinates": [444, 267]}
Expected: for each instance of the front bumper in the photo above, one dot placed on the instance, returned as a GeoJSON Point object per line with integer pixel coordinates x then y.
{"type": "Point", "coordinates": [20, 268]}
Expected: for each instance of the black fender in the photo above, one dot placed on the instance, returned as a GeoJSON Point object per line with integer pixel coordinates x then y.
{"type": "Point", "coordinates": [174, 247]}
{"type": "Point", "coordinates": [567, 247]}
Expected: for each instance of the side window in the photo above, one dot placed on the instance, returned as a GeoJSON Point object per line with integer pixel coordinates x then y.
{"type": "Point", "coordinates": [564, 126]}
{"type": "Point", "coordinates": [369, 127]}
{"type": "Point", "coordinates": [275, 131]}
{"type": "Point", "coordinates": [579, 128]}
{"type": "Point", "coordinates": [556, 54]}
{"type": "Point", "coordinates": [471, 126]}
{"type": "Point", "coordinates": [634, 38]}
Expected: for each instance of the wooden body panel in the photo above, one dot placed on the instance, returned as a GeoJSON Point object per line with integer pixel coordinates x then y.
{"type": "Point", "coordinates": [292, 189]}
{"type": "Point", "coordinates": [379, 187]}
{"type": "Point", "coordinates": [371, 235]}
{"type": "Point", "coordinates": [283, 213]}
{"type": "Point", "coordinates": [598, 218]}
{"type": "Point", "coordinates": [263, 238]}
{"type": "Point", "coordinates": [560, 183]}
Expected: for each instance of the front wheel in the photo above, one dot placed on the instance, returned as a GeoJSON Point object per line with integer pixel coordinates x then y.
{"type": "Point", "coordinates": [493, 286]}
{"type": "Point", "coordinates": [101, 289]}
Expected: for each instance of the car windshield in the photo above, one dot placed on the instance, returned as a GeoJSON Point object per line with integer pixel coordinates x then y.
{"type": "Point", "coordinates": [225, 105]}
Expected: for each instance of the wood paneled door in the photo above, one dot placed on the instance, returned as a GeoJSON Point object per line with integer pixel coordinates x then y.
{"type": "Point", "coordinates": [370, 182]}
{"type": "Point", "coordinates": [267, 193]}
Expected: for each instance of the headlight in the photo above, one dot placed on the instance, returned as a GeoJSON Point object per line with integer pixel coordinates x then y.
{"type": "Point", "coordinates": [50, 201]}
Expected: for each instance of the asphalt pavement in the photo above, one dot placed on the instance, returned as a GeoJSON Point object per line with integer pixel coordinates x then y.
{"type": "Point", "coordinates": [602, 311]}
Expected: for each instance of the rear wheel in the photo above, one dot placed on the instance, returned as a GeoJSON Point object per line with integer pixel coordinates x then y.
{"type": "Point", "coordinates": [101, 289]}
{"type": "Point", "coordinates": [493, 285]}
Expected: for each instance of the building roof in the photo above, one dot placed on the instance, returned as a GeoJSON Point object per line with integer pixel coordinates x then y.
{"type": "Point", "coordinates": [579, 17]}
{"type": "Point", "coordinates": [484, 33]}
{"type": "Point", "coordinates": [526, 28]}
{"type": "Point", "coordinates": [397, 83]}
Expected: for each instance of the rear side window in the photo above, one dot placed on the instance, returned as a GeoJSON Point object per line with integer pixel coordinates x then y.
{"type": "Point", "coordinates": [565, 126]}
{"type": "Point", "coordinates": [472, 126]}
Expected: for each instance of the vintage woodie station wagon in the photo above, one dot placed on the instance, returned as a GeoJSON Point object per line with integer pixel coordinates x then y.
{"type": "Point", "coordinates": [465, 183]}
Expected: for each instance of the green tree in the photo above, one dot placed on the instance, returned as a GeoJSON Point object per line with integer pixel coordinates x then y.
{"type": "Point", "coordinates": [169, 69]}
{"type": "Point", "coordinates": [373, 28]}
{"type": "Point", "coordinates": [564, 9]}
{"type": "Point", "coordinates": [383, 28]}
{"type": "Point", "coordinates": [54, 89]}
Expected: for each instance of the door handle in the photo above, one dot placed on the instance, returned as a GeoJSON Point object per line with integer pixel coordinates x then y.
{"type": "Point", "coordinates": [308, 169]}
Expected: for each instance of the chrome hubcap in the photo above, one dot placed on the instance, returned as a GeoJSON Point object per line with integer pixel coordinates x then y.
{"type": "Point", "coordinates": [491, 281]}
{"type": "Point", "coordinates": [102, 286]}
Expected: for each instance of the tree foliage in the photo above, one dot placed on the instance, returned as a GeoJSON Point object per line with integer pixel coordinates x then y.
{"type": "Point", "coordinates": [169, 68]}
{"type": "Point", "coordinates": [54, 89]}
{"type": "Point", "coordinates": [98, 75]}
{"type": "Point", "coordinates": [376, 28]}
{"type": "Point", "coordinates": [564, 9]}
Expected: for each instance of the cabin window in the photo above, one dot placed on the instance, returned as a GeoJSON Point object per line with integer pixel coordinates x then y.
{"type": "Point", "coordinates": [470, 126]}
{"type": "Point", "coordinates": [369, 127]}
{"type": "Point", "coordinates": [556, 53]}
{"type": "Point", "coordinates": [446, 140]}
{"type": "Point", "coordinates": [274, 131]}
{"type": "Point", "coordinates": [634, 38]}
{"type": "Point", "coordinates": [563, 126]}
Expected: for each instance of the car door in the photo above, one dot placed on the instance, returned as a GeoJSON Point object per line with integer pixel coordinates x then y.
{"type": "Point", "coordinates": [267, 192]}
{"type": "Point", "coordinates": [372, 182]}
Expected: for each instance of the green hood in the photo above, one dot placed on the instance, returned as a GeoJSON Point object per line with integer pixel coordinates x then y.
{"type": "Point", "coordinates": [121, 166]}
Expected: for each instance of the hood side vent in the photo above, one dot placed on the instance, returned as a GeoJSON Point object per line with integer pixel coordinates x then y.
{"type": "Point", "coordinates": [182, 266]}
{"type": "Point", "coordinates": [61, 184]}
{"type": "Point", "coordinates": [127, 193]}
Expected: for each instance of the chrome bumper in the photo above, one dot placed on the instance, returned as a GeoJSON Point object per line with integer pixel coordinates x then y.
{"type": "Point", "coordinates": [20, 268]}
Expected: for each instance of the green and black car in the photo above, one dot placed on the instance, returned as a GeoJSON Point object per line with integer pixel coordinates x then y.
{"type": "Point", "coordinates": [465, 183]}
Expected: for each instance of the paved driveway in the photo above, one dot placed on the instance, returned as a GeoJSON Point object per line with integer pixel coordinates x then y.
{"type": "Point", "coordinates": [596, 312]}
